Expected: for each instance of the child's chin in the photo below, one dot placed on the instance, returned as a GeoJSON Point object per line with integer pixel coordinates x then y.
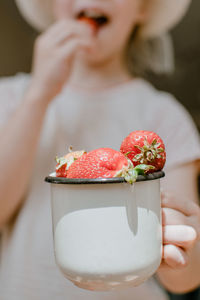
{"type": "Point", "coordinates": [91, 57]}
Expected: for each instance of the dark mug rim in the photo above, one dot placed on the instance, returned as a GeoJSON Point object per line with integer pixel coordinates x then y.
{"type": "Point", "coordinates": [62, 180]}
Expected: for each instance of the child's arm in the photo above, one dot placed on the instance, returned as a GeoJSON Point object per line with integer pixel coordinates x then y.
{"type": "Point", "coordinates": [180, 269]}
{"type": "Point", "coordinates": [54, 53]}
{"type": "Point", "coordinates": [19, 139]}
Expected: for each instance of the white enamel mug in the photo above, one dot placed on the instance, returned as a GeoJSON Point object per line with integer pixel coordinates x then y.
{"type": "Point", "coordinates": [107, 232]}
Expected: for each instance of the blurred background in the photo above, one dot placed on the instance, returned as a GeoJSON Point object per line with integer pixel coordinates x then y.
{"type": "Point", "coordinates": [16, 43]}
{"type": "Point", "coordinates": [17, 39]}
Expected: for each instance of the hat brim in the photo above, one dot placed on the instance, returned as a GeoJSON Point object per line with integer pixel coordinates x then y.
{"type": "Point", "coordinates": [163, 15]}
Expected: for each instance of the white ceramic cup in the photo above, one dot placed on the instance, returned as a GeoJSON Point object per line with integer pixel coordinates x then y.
{"type": "Point", "coordinates": [107, 233]}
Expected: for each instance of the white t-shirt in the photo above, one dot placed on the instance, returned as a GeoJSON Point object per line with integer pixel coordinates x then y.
{"type": "Point", "coordinates": [86, 121]}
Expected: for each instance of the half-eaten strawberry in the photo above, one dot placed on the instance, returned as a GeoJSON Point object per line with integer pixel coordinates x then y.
{"type": "Point", "coordinates": [105, 163]}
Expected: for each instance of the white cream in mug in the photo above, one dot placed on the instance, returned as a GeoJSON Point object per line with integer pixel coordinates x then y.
{"type": "Point", "coordinates": [106, 242]}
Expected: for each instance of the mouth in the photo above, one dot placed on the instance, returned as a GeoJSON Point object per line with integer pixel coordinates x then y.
{"type": "Point", "coordinates": [94, 18]}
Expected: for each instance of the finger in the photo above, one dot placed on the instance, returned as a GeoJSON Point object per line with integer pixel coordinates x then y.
{"type": "Point", "coordinates": [185, 206]}
{"type": "Point", "coordinates": [63, 36]}
{"type": "Point", "coordinates": [179, 235]}
{"type": "Point", "coordinates": [174, 217]}
{"type": "Point", "coordinates": [194, 221]}
{"type": "Point", "coordinates": [73, 46]}
{"type": "Point", "coordinates": [65, 30]}
{"type": "Point", "coordinates": [174, 257]}
{"type": "Point", "coordinates": [54, 28]}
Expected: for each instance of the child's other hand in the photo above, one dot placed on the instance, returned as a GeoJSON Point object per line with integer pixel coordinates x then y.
{"type": "Point", "coordinates": [54, 53]}
{"type": "Point", "coordinates": [181, 231]}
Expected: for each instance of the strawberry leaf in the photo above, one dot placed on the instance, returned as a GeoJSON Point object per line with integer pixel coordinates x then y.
{"type": "Point", "coordinates": [131, 176]}
{"type": "Point", "coordinates": [142, 169]}
{"type": "Point", "coordinates": [154, 143]}
{"type": "Point", "coordinates": [61, 161]}
{"type": "Point", "coordinates": [126, 154]}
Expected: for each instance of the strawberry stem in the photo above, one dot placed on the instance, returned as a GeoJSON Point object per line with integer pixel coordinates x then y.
{"type": "Point", "coordinates": [61, 161]}
{"type": "Point", "coordinates": [148, 153]}
{"type": "Point", "coordinates": [131, 173]}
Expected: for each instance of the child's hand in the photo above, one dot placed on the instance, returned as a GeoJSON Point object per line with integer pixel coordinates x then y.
{"type": "Point", "coordinates": [181, 231]}
{"type": "Point", "coordinates": [54, 53]}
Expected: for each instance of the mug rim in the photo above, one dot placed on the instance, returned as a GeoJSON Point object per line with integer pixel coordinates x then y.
{"type": "Point", "coordinates": [62, 180]}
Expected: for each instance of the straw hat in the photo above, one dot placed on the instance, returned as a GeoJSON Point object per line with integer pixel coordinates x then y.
{"type": "Point", "coordinates": [164, 14]}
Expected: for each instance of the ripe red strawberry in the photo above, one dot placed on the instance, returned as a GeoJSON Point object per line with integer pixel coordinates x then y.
{"type": "Point", "coordinates": [104, 163]}
{"type": "Point", "coordinates": [63, 163]}
{"type": "Point", "coordinates": [99, 163]}
{"type": "Point", "coordinates": [61, 171]}
{"type": "Point", "coordinates": [91, 22]}
{"type": "Point", "coordinates": [145, 147]}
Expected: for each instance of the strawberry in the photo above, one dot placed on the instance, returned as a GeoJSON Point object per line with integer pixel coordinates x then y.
{"type": "Point", "coordinates": [91, 22]}
{"type": "Point", "coordinates": [105, 163]}
{"type": "Point", "coordinates": [63, 163]}
{"type": "Point", "coordinates": [144, 147]}
{"type": "Point", "coordinates": [61, 171]}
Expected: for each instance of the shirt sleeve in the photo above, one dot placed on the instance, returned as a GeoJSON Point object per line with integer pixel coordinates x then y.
{"type": "Point", "coordinates": [179, 132]}
{"type": "Point", "coordinates": [11, 95]}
